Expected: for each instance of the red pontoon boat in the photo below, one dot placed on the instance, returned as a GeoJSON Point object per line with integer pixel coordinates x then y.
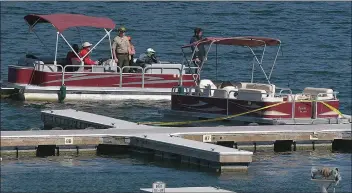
{"type": "Point", "coordinates": [250, 102]}
{"type": "Point", "coordinates": [40, 78]}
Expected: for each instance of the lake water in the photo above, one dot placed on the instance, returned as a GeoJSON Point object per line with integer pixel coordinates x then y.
{"type": "Point", "coordinates": [316, 51]}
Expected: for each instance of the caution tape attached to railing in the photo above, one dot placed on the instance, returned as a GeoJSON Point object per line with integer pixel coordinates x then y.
{"type": "Point", "coordinates": [232, 116]}
{"type": "Point", "coordinates": [208, 120]}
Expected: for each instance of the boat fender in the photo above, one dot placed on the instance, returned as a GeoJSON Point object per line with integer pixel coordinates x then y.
{"type": "Point", "coordinates": [62, 93]}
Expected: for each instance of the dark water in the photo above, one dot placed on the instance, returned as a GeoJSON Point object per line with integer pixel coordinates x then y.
{"type": "Point", "coordinates": [268, 173]}
{"type": "Point", "coordinates": [316, 51]}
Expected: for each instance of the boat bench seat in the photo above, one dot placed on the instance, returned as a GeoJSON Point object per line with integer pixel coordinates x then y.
{"type": "Point", "coordinates": [269, 88]}
{"type": "Point", "coordinates": [46, 67]}
{"type": "Point", "coordinates": [297, 97]}
{"type": "Point", "coordinates": [251, 94]}
{"type": "Point", "coordinates": [319, 93]}
{"type": "Point", "coordinates": [256, 95]}
{"type": "Point", "coordinates": [226, 92]}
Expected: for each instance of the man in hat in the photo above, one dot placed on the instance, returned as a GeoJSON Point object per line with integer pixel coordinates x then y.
{"type": "Point", "coordinates": [120, 49]}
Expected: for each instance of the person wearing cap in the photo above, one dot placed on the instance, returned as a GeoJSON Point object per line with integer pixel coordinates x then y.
{"type": "Point", "coordinates": [120, 49]}
{"type": "Point", "coordinates": [85, 49]}
{"type": "Point", "coordinates": [148, 57]}
{"type": "Point", "coordinates": [198, 35]}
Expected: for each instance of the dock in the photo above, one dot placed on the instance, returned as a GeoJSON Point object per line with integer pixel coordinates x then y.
{"type": "Point", "coordinates": [189, 189]}
{"type": "Point", "coordinates": [218, 148]}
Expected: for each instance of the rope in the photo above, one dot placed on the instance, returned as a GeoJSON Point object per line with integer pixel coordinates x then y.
{"type": "Point", "coordinates": [232, 116]}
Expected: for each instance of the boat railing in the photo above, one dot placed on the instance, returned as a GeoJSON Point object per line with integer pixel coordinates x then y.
{"type": "Point", "coordinates": [281, 94]}
{"type": "Point", "coordinates": [120, 72]}
{"type": "Point", "coordinates": [162, 68]}
{"type": "Point", "coordinates": [282, 90]}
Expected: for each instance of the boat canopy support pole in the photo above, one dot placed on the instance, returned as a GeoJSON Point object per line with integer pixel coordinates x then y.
{"type": "Point", "coordinates": [31, 27]}
{"type": "Point", "coordinates": [272, 68]}
{"type": "Point", "coordinates": [252, 70]}
{"type": "Point", "coordinates": [260, 62]}
{"type": "Point", "coordinates": [57, 42]}
{"type": "Point", "coordinates": [81, 58]}
{"type": "Point", "coordinates": [63, 37]}
{"type": "Point", "coordinates": [108, 32]}
{"type": "Point", "coordinates": [216, 62]}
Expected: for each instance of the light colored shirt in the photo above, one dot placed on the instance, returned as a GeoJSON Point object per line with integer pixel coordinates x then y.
{"type": "Point", "coordinates": [121, 44]}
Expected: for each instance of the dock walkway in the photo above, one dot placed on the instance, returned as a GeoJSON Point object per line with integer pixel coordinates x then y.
{"type": "Point", "coordinates": [186, 144]}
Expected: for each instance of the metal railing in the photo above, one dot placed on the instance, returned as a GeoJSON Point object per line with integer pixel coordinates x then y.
{"type": "Point", "coordinates": [120, 71]}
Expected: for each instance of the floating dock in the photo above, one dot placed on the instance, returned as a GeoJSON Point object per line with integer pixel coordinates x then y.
{"type": "Point", "coordinates": [212, 147]}
{"type": "Point", "coordinates": [189, 189]}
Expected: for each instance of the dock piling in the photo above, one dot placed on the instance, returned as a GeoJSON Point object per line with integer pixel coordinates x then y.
{"type": "Point", "coordinates": [255, 147]}
{"type": "Point", "coordinates": [283, 145]}
{"type": "Point", "coordinates": [294, 146]}
{"type": "Point", "coordinates": [16, 148]}
{"type": "Point", "coordinates": [229, 144]}
{"type": "Point", "coordinates": [343, 145]}
{"type": "Point", "coordinates": [45, 150]}
{"type": "Point", "coordinates": [57, 151]}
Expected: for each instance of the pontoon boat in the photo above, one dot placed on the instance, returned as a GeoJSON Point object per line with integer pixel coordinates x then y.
{"type": "Point", "coordinates": [250, 102]}
{"type": "Point", "coordinates": [40, 78]}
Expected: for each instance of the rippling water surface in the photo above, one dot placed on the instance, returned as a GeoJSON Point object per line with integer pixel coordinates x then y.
{"type": "Point", "coordinates": [316, 51]}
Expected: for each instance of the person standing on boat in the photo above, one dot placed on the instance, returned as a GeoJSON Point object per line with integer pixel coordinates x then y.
{"type": "Point", "coordinates": [200, 50]}
{"type": "Point", "coordinates": [131, 52]}
{"type": "Point", "coordinates": [120, 49]}
{"type": "Point", "coordinates": [85, 49]}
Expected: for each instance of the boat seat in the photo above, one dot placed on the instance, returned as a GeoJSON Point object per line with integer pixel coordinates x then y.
{"type": "Point", "coordinates": [251, 94]}
{"type": "Point", "coordinates": [324, 93]}
{"type": "Point", "coordinates": [273, 99]}
{"type": "Point", "coordinates": [46, 67]}
{"type": "Point", "coordinates": [205, 85]}
{"type": "Point", "coordinates": [226, 92]}
{"type": "Point", "coordinates": [297, 97]}
{"type": "Point", "coordinates": [98, 69]}
{"type": "Point", "coordinates": [269, 88]}
{"type": "Point", "coordinates": [220, 93]}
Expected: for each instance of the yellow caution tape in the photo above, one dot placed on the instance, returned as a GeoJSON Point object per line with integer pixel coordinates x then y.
{"type": "Point", "coordinates": [208, 120]}
{"type": "Point", "coordinates": [332, 108]}
{"type": "Point", "coordinates": [237, 115]}
{"type": "Point", "coordinates": [327, 105]}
